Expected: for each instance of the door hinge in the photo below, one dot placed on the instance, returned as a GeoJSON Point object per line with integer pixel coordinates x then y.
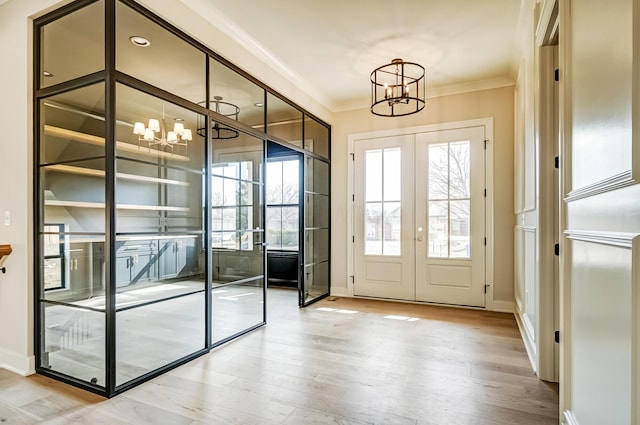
{"type": "Point", "coordinates": [485, 193]}
{"type": "Point", "coordinates": [353, 239]}
{"type": "Point", "coordinates": [353, 156]}
{"type": "Point", "coordinates": [556, 337]}
{"type": "Point", "coordinates": [556, 249]}
{"type": "Point", "coordinates": [485, 241]}
{"type": "Point", "coordinates": [485, 288]}
{"type": "Point", "coordinates": [556, 162]}
{"type": "Point", "coordinates": [556, 74]}
{"type": "Point", "coordinates": [485, 144]}
{"type": "Point", "coordinates": [353, 198]}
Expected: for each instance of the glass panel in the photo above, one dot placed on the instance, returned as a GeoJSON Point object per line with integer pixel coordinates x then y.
{"type": "Point", "coordinates": [77, 35]}
{"type": "Point", "coordinates": [460, 229]}
{"type": "Point", "coordinates": [438, 229]}
{"type": "Point", "coordinates": [238, 262]}
{"type": "Point", "coordinates": [392, 174]}
{"type": "Point", "coordinates": [459, 170]}
{"type": "Point", "coordinates": [157, 132]}
{"type": "Point", "coordinates": [284, 121]}
{"type": "Point", "coordinates": [235, 97]}
{"type": "Point", "coordinates": [53, 273]}
{"type": "Point", "coordinates": [74, 342]}
{"type": "Point", "coordinates": [282, 228]}
{"type": "Point", "coordinates": [81, 269]}
{"type": "Point", "coordinates": [373, 178]}
{"type": "Point", "coordinates": [373, 229]}
{"type": "Point", "coordinates": [274, 228]}
{"type": "Point", "coordinates": [274, 182]}
{"type": "Point", "coordinates": [316, 137]}
{"type": "Point", "coordinates": [317, 210]}
{"type": "Point", "coordinates": [235, 308]}
{"type": "Point", "coordinates": [392, 229]}
{"type": "Point", "coordinates": [316, 281]}
{"type": "Point", "coordinates": [317, 176]}
{"type": "Point", "coordinates": [167, 61]}
{"type": "Point", "coordinates": [154, 335]}
{"type": "Point", "coordinates": [438, 171]}
{"type": "Point", "coordinates": [72, 148]}
{"type": "Point", "coordinates": [316, 247]}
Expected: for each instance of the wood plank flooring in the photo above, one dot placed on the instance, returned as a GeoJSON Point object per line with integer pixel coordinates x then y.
{"type": "Point", "coordinates": [341, 361]}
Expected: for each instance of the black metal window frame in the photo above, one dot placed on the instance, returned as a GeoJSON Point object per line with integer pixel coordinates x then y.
{"type": "Point", "coordinates": [110, 76]}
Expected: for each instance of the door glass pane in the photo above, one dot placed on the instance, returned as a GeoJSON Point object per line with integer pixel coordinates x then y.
{"type": "Point", "coordinates": [460, 243]}
{"type": "Point", "coordinates": [392, 176]}
{"type": "Point", "coordinates": [438, 229]}
{"type": "Point", "coordinates": [438, 171]}
{"type": "Point", "coordinates": [459, 170]}
{"type": "Point", "coordinates": [373, 178]}
{"type": "Point", "coordinates": [449, 193]}
{"type": "Point", "coordinates": [373, 228]}
{"type": "Point", "coordinates": [383, 182]}
{"type": "Point", "coordinates": [391, 228]}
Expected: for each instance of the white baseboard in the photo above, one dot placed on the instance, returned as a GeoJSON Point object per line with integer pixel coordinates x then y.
{"type": "Point", "coordinates": [22, 365]}
{"type": "Point", "coordinates": [503, 306]}
{"type": "Point", "coordinates": [529, 343]}
{"type": "Point", "coordinates": [340, 292]}
{"type": "Point", "coordinates": [570, 418]}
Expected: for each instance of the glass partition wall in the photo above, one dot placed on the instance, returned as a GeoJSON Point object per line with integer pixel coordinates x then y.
{"type": "Point", "coordinates": [150, 158]}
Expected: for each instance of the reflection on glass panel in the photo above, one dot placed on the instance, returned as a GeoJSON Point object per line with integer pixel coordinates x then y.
{"type": "Point", "coordinates": [74, 342]}
{"type": "Point", "coordinates": [392, 174]}
{"type": "Point", "coordinates": [392, 229]}
{"type": "Point", "coordinates": [373, 178]}
{"type": "Point", "coordinates": [77, 35]}
{"type": "Point", "coordinates": [459, 170]}
{"type": "Point", "coordinates": [316, 137]}
{"type": "Point", "coordinates": [233, 264]}
{"type": "Point", "coordinates": [236, 307]}
{"type": "Point", "coordinates": [54, 253]}
{"type": "Point", "coordinates": [81, 268]}
{"type": "Point", "coordinates": [232, 92]}
{"type": "Point", "coordinates": [373, 229]}
{"type": "Point", "coordinates": [148, 52]}
{"type": "Point", "coordinates": [316, 280]}
{"type": "Point", "coordinates": [438, 229]}
{"type": "Point", "coordinates": [317, 207]}
{"type": "Point", "coordinates": [284, 121]}
{"type": "Point", "coordinates": [151, 336]}
{"type": "Point", "coordinates": [316, 176]}
{"type": "Point", "coordinates": [154, 131]}
{"type": "Point", "coordinates": [459, 226]}
{"type": "Point", "coordinates": [439, 171]}
{"type": "Point", "coordinates": [72, 151]}
{"type": "Point", "coordinates": [316, 247]}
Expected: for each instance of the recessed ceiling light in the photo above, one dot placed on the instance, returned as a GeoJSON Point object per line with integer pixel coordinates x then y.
{"type": "Point", "coordinates": [47, 74]}
{"type": "Point", "coordinates": [258, 105]}
{"type": "Point", "coordinates": [178, 119]}
{"type": "Point", "coordinates": [139, 41]}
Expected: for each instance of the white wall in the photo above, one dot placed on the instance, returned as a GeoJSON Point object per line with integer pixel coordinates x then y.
{"type": "Point", "coordinates": [496, 103]}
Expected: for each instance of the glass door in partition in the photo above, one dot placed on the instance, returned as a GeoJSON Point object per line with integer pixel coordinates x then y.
{"type": "Point", "coordinates": [237, 235]}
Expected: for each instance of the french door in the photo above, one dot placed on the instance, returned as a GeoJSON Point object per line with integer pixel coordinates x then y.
{"type": "Point", "coordinates": [419, 217]}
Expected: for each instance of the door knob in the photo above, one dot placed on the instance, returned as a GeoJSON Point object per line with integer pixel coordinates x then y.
{"type": "Point", "coordinates": [419, 238]}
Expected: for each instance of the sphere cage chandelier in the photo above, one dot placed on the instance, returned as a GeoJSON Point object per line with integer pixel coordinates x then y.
{"type": "Point", "coordinates": [397, 89]}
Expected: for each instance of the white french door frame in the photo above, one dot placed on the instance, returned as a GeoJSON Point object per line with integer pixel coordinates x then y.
{"type": "Point", "coordinates": [487, 123]}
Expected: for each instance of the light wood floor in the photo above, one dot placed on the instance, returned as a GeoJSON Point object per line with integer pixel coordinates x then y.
{"type": "Point", "coordinates": [340, 361]}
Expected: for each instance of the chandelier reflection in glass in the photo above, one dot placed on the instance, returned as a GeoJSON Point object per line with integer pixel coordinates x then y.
{"type": "Point", "coordinates": [219, 131]}
{"type": "Point", "coordinates": [156, 135]}
{"type": "Point", "coordinates": [397, 89]}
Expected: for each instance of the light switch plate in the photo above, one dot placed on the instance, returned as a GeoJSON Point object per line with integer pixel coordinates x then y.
{"type": "Point", "coordinates": [7, 218]}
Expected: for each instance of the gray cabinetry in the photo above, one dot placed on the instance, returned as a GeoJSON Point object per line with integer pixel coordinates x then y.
{"type": "Point", "coordinates": [136, 262]}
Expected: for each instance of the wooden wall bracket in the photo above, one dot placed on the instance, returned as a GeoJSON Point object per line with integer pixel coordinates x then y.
{"type": "Point", "coordinates": [5, 250]}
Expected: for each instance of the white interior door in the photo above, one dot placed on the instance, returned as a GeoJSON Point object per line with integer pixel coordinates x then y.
{"type": "Point", "coordinates": [419, 217]}
{"type": "Point", "coordinates": [450, 217]}
{"type": "Point", "coordinates": [383, 218]}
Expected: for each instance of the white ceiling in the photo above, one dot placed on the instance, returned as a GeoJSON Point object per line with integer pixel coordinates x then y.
{"type": "Point", "coordinates": [330, 47]}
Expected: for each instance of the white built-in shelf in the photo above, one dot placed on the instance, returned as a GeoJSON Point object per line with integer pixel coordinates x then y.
{"type": "Point", "coordinates": [101, 205]}
{"type": "Point", "coordinates": [100, 173]}
{"type": "Point", "coordinates": [77, 136]}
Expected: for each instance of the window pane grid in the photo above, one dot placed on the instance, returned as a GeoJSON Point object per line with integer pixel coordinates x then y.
{"type": "Point", "coordinates": [383, 182]}
{"type": "Point", "coordinates": [449, 200]}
